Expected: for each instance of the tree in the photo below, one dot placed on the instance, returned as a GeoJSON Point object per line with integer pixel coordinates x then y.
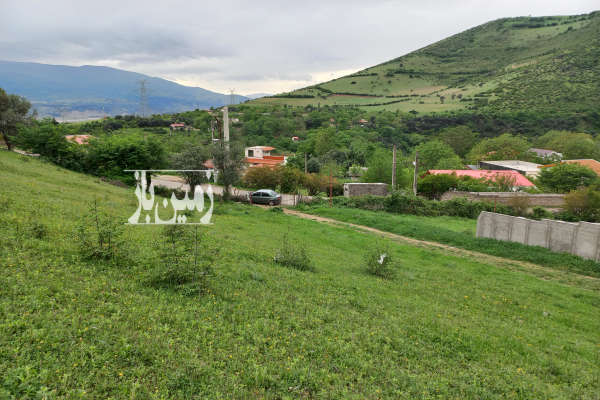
{"type": "Point", "coordinates": [434, 186]}
{"type": "Point", "coordinates": [573, 145]}
{"type": "Point", "coordinates": [436, 154]}
{"type": "Point", "coordinates": [13, 111]}
{"type": "Point", "coordinates": [584, 204]}
{"type": "Point", "coordinates": [229, 162]}
{"type": "Point", "coordinates": [379, 169]}
{"type": "Point", "coordinates": [503, 147]}
{"type": "Point", "coordinates": [262, 178]}
{"type": "Point", "coordinates": [461, 138]}
{"type": "Point", "coordinates": [191, 158]}
{"type": "Point", "coordinates": [566, 177]}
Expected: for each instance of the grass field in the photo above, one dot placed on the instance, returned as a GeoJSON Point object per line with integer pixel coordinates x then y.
{"type": "Point", "coordinates": [459, 232]}
{"type": "Point", "coordinates": [445, 327]}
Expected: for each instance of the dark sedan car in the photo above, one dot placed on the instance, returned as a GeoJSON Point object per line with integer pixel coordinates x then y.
{"type": "Point", "coordinates": [265, 196]}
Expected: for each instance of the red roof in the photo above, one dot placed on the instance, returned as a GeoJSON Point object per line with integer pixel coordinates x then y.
{"type": "Point", "coordinates": [261, 162]}
{"type": "Point", "coordinates": [491, 175]}
{"type": "Point", "coordinates": [177, 125]}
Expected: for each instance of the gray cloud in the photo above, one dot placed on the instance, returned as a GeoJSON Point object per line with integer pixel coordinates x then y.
{"type": "Point", "coordinates": [258, 46]}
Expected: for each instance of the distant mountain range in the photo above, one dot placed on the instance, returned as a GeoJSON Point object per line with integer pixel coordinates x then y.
{"type": "Point", "coordinates": [72, 93]}
{"type": "Point", "coordinates": [532, 64]}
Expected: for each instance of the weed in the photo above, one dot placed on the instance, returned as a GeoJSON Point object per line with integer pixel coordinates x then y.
{"type": "Point", "coordinates": [293, 255]}
{"type": "Point", "coordinates": [379, 261]}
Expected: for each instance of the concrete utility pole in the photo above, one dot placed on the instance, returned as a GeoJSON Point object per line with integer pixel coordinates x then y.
{"type": "Point", "coordinates": [415, 174]}
{"type": "Point", "coordinates": [226, 126]}
{"type": "Point", "coordinates": [394, 168]}
{"type": "Point", "coordinates": [305, 163]}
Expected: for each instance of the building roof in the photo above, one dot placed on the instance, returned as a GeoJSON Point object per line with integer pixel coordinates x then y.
{"type": "Point", "coordinates": [515, 164]}
{"type": "Point", "coordinates": [544, 152]}
{"type": "Point", "coordinates": [520, 180]}
{"type": "Point", "coordinates": [79, 139]}
{"type": "Point", "coordinates": [590, 163]}
{"type": "Point", "coordinates": [177, 125]}
{"type": "Point", "coordinates": [264, 162]}
{"type": "Point", "coordinates": [264, 148]}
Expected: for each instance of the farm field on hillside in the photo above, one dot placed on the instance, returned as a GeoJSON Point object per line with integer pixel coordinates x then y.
{"type": "Point", "coordinates": [445, 327]}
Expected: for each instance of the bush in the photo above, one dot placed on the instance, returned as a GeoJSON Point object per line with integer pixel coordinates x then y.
{"type": "Point", "coordinates": [540, 213]}
{"type": "Point", "coordinates": [584, 204]}
{"type": "Point", "coordinates": [262, 178]}
{"type": "Point", "coordinates": [434, 186]}
{"type": "Point", "coordinates": [293, 256]}
{"type": "Point", "coordinates": [401, 203]}
{"type": "Point", "coordinates": [314, 184]}
{"type": "Point", "coordinates": [99, 235]}
{"type": "Point", "coordinates": [291, 179]}
{"type": "Point", "coordinates": [379, 262]}
{"type": "Point", "coordinates": [520, 205]}
{"type": "Point", "coordinates": [186, 260]}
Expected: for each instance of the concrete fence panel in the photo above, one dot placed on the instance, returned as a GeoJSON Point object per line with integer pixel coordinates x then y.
{"type": "Point", "coordinates": [485, 225]}
{"type": "Point", "coordinates": [502, 226]}
{"type": "Point", "coordinates": [537, 234]}
{"type": "Point", "coordinates": [520, 230]}
{"type": "Point", "coordinates": [561, 235]}
{"type": "Point", "coordinates": [581, 239]}
{"type": "Point", "coordinates": [586, 240]}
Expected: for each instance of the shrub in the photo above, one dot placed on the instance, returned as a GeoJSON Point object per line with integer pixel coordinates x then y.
{"type": "Point", "coordinates": [584, 204]}
{"type": "Point", "coordinates": [262, 178]}
{"type": "Point", "coordinates": [99, 235]}
{"type": "Point", "coordinates": [379, 261]}
{"type": "Point", "coordinates": [540, 213]}
{"type": "Point", "coordinates": [314, 183]}
{"type": "Point", "coordinates": [434, 186]}
{"type": "Point", "coordinates": [290, 179]}
{"type": "Point", "coordinates": [293, 255]}
{"type": "Point", "coordinates": [520, 204]}
{"type": "Point", "coordinates": [186, 259]}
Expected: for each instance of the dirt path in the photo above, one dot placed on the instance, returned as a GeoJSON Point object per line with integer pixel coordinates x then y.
{"type": "Point", "coordinates": [564, 277]}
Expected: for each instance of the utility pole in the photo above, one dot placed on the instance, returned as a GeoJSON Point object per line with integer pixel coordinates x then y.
{"type": "Point", "coordinates": [415, 174]}
{"type": "Point", "coordinates": [226, 126]}
{"type": "Point", "coordinates": [394, 168]}
{"type": "Point", "coordinates": [305, 163]}
{"type": "Point", "coordinates": [330, 187]}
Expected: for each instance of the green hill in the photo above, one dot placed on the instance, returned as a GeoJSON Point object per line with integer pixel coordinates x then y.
{"type": "Point", "coordinates": [445, 327]}
{"type": "Point", "coordinates": [534, 63]}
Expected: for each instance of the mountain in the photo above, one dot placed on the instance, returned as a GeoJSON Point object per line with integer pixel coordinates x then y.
{"type": "Point", "coordinates": [92, 91]}
{"type": "Point", "coordinates": [537, 64]}
{"type": "Point", "coordinates": [257, 95]}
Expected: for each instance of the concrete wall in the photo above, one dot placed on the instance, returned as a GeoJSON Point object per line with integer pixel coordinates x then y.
{"type": "Point", "coordinates": [542, 200]}
{"type": "Point", "coordinates": [363, 189]}
{"type": "Point", "coordinates": [582, 239]}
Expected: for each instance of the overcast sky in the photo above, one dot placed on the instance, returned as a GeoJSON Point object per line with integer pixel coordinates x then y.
{"type": "Point", "coordinates": [250, 46]}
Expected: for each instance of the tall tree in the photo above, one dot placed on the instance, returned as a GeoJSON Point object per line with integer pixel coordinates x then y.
{"type": "Point", "coordinates": [437, 155]}
{"type": "Point", "coordinates": [13, 111]}
{"type": "Point", "coordinates": [228, 162]}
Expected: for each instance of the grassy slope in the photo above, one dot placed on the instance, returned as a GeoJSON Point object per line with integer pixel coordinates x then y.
{"type": "Point", "coordinates": [458, 232]}
{"type": "Point", "coordinates": [550, 65]}
{"type": "Point", "coordinates": [446, 327]}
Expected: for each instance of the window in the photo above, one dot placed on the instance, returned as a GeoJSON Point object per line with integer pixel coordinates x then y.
{"type": "Point", "coordinates": [250, 153]}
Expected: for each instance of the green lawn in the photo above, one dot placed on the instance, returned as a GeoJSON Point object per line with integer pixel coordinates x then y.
{"type": "Point", "coordinates": [459, 232]}
{"type": "Point", "coordinates": [445, 327]}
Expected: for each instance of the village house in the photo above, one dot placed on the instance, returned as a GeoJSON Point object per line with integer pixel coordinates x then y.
{"type": "Point", "coordinates": [588, 162]}
{"type": "Point", "coordinates": [546, 154]}
{"type": "Point", "coordinates": [177, 127]}
{"type": "Point", "coordinates": [260, 156]}
{"type": "Point", "coordinates": [523, 167]}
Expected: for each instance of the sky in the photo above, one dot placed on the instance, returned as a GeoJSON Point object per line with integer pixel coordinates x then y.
{"type": "Point", "coordinates": [258, 46]}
